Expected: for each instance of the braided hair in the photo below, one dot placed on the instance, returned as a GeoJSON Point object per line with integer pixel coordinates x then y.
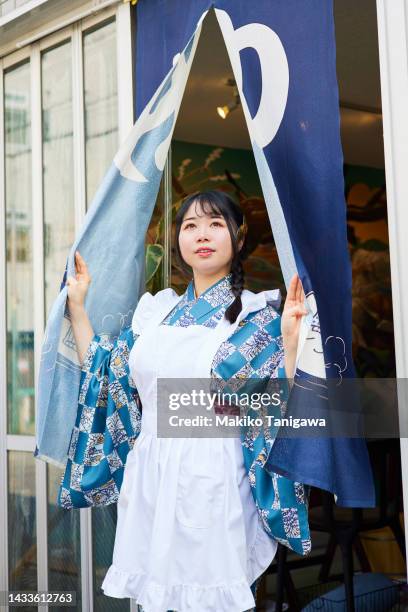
{"type": "Point", "coordinates": [218, 202]}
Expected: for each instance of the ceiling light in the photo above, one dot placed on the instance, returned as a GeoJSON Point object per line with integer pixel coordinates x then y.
{"type": "Point", "coordinates": [224, 111]}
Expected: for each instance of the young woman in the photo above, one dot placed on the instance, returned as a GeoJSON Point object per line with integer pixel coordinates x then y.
{"type": "Point", "coordinates": [193, 530]}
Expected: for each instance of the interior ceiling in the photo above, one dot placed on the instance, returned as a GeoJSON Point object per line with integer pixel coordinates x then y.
{"type": "Point", "coordinates": [358, 77]}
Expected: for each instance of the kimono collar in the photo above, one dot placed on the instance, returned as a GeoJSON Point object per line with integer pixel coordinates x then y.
{"type": "Point", "coordinates": [218, 293]}
{"type": "Point", "coordinates": [215, 299]}
{"type": "Point", "coordinates": [207, 309]}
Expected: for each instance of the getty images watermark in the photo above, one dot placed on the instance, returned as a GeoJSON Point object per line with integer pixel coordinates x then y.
{"type": "Point", "coordinates": [224, 408]}
{"type": "Point", "coordinates": [191, 407]}
{"type": "Point", "coordinates": [302, 407]}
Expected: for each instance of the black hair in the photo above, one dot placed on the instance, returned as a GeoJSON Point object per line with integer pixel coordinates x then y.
{"type": "Point", "coordinates": [218, 202]}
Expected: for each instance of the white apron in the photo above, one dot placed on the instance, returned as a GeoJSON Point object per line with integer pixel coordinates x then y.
{"type": "Point", "coordinates": [188, 534]}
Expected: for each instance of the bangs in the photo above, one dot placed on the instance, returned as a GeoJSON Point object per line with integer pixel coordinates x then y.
{"type": "Point", "coordinates": [206, 206]}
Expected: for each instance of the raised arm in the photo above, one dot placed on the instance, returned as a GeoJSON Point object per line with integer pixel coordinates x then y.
{"type": "Point", "coordinates": [77, 290]}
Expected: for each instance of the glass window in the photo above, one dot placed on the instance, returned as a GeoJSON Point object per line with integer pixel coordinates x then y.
{"type": "Point", "coordinates": [101, 105]}
{"type": "Point", "coordinates": [58, 173]}
{"type": "Point", "coordinates": [103, 528]}
{"type": "Point", "coordinates": [22, 522]}
{"type": "Point", "coordinates": [60, 75]}
{"type": "Point", "coordinates": [20, 335]}
{"type": "Point", "coordinates": [64, 544]}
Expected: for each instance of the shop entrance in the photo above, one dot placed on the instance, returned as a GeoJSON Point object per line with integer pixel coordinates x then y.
{"type": "Point", "coordinates": [211, 149]}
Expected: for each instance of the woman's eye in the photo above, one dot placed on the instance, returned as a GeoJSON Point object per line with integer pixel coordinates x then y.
{"type": "Point", "coordinates": [217, 223]}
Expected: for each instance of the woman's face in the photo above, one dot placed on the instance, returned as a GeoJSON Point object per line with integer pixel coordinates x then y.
{"type": "Point", "coordinates": [205, 241]}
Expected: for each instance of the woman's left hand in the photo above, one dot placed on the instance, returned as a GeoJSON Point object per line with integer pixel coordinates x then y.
{"type": "Point", "coordinates": [292, 314]}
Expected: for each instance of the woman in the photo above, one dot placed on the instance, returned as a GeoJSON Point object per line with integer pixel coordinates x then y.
{"type": "Point", "coordinates": [191, 533]}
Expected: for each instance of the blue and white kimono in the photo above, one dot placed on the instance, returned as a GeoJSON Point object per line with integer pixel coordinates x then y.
{"type": "Point", "coordinates": [109, 413]}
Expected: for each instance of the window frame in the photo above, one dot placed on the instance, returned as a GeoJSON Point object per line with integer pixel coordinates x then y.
{"type": "Point", "coordinates": [121, 14]}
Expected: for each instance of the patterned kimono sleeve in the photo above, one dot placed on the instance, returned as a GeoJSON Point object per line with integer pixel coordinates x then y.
{"type": "Point", "coordinates": [107, 424]}
{"type": "Point", "coordinates": [282, 503]}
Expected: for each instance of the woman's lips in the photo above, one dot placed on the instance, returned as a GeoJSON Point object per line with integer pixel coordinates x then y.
{"type": "Point", "coordinates": [204, 252]}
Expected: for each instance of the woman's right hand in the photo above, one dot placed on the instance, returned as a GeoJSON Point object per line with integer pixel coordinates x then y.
{"type": "Point", "coordinates": [78, 285]}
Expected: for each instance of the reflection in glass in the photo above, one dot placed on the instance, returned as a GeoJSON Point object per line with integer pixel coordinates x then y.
{"type": "Point", "coordinates": [22, 553]}
{"type": "Point", "coordinates": [20, 336]}
{"type": "Point", "coordinates": [101, 107]}
{"type": "Point", "coordinates": [103, 534]}
{"type": "Point", "coordinates": [64, 546]}
{"type": "Point", "coordinates": [58, 174]}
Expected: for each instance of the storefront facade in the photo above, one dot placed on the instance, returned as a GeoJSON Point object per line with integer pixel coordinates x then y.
{"type": "Point", "coordinates": [67, 99]}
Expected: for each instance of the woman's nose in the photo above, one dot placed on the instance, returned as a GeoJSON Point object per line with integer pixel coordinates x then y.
{"type": "Point", "coordinates": [202, 234]}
